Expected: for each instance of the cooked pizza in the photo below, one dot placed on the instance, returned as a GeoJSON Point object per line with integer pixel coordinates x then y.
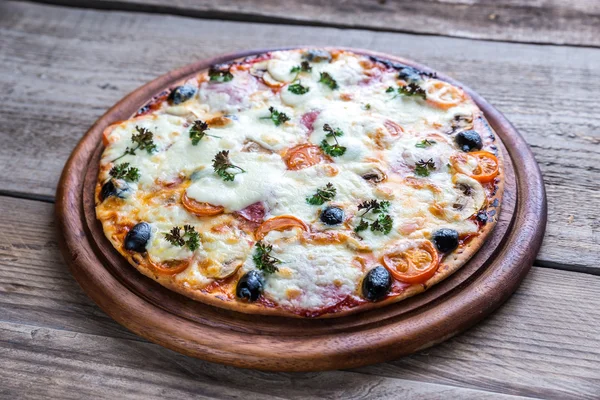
{"type": "Point", "coordinates": [306, 182]}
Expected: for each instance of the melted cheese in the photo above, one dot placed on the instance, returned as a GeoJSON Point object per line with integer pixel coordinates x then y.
{"type": "Point", "coordinates": [311, 275]}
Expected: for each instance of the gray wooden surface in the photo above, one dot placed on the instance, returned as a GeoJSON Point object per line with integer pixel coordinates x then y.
{"type": "Point", "coordinates": [62, 67]}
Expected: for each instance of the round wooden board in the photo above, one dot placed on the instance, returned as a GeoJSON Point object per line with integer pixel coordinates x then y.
{"type": "Point", "coordinates": [291, 344]}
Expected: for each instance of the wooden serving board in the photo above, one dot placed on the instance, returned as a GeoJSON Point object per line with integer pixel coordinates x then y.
{"type": "Point", "coordinates": [291, 344]}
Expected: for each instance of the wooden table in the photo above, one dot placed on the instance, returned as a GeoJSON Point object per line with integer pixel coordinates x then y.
{"type": "Point", "coordinates": [62, 66]}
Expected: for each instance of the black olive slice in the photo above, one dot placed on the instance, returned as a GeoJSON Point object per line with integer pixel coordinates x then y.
{"type": "Point", "coordinates": [138, 237]}
{"type": "Point", "coordinates": [250, 286]}
{"type": "Point", "coordinates": [376, 283]}
{"type": "Point", "coordinates": [317, 55]}
{"type": "Point", "coordinates": [332, 216]}
{"type": "Point", "coordinates": [445, 240]}
{"type": "Point", "coordinates": [469, 141]}
{"type": "Point", "coordinates": [181, 94]}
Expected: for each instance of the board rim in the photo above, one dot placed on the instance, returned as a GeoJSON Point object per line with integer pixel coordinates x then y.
{"type": "Point", "coordinates": [376, 342]}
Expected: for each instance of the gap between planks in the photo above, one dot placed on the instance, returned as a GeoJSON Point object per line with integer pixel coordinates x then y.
{"type": "Point", "coordinates": [506, 22]}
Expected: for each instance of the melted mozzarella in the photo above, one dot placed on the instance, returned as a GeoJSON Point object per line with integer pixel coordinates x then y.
{"type": "Point", "coordinates": [311, 275]}
{"type": "Point", "coordinates": [249, 187]}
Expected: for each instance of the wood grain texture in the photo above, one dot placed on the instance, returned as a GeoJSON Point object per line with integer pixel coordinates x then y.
{"type": "Point", "coordinates": [544, 342]}
{"type": "Point", "coordinates": [62, 68]}
{"type": "Point", "coordinates": [285, 344]}
{"type": "Point", "coordinates": [575, 22]}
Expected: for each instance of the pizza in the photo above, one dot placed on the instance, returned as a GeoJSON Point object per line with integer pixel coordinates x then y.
{"type": "Point", "coordinates": [305, 182]}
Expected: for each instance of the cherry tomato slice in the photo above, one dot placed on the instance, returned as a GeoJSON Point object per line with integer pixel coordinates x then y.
{"type": "Point", "coordinates": [170, 267]}
{"type": "Point", "coordinates": [443, 95]}
{"type": "Point", "coordinates": [304, 156]}
{"type": "Point", "coordinates": [486, 169]}
{"type": "Point", "coordinates": [200, 209]}
{"type": "Point", "coordinates": [280, 223]}
{"type": "Point", "coordinates": [414, 264]}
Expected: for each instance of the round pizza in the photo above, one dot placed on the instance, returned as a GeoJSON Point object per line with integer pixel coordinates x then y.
{"type": "Point", "coordinates": [306, 182]}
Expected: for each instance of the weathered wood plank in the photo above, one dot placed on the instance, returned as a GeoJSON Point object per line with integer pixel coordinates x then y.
{"type": "Point", "coordinates": [545, 342]}
{"type": "Point", "coordinates": [82, 365]}
{"type": "Point", "coordinates": [542, 21]}
{"type": "Point", "coordinates": [62, 68]}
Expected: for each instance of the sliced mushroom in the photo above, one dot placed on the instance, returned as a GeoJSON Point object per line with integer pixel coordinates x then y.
{"type": "Point", "coordinates": [469, 198]}
{"type": "Point", "coordinates": [270, 81]}
{"type": "Point", "coordinates": [281, 70]}
{"type": "Point", "coordinates": [219, 122]}
{"type": "Point", "coordinates": [251, 146]}
{"type": "Point", "coordinates": [258, 69]}
{"type": "Point", "coordinates": [374, 176]}
{"type": "Point", "coordinates": [216, 270]}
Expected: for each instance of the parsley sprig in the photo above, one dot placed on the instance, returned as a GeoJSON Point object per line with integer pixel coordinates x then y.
{"type": "Point", "coordinates": [263, 259]}
{"type": "Point", "coordinates": [221, 165]}
{"type": "Point", "coordinates": [220, 74]}
{"type": "Point", "coordinates": [423, 168]}
{"type": "Point", "coordinates": [412, 89]}
{"type": "Point", "coordinates": [383, 223]}
{"type": "Point", "coordinates": [328, 80]}
{"type": "Point", "coordinates": [189, 238]}
{"type": "Point", "coordinates": [303, 67]}
{"type": "Point", "coordinates": [297, 88]}
{"type": "Point", "coordinates": [144, 140]}
{"type": "Point", "coordinates": [277, 117]}
{"type": "Point", "coordinates": [334, 150]}
{"type": "Point", "coordinates": [425, 143]}
{"type": "Point", "coordinates": [198, 131]}
{"type": "Point", "coordinates": [124, 171]}
{"type": "Point", "coordinates": [324, 194]}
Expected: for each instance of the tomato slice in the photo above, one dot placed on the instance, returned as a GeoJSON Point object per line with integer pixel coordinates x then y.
{"type": "Point", "coordinates": [443, 95]}
{"type": "Point", "coordinates": [280, 223]}
{"type": "Point", "coordinates": [486, 169]}
{"type": "Point", "coordinates": [169, 267]}
{"type": "Point", "coordinates": [304, 156]}
{"type": "Point", "coordinates": [200, 209]}
{"type": "Point", "coordinates": [413, 264]}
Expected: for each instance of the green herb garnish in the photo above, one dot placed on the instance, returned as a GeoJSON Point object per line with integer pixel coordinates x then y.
{"type": "Point", "coordinates": [425, 143]}
{"type": "Point", "coordinates": [412, 89]}
{"type": "Point", "coordinates": [362, 225]}
{"type": "Point", "coordinates": [144, 139]}
{"type": "Point", "coordinates": [277, 117]}
{"type": "Point", "coordinates": [324, 194]}
{"type": "Point", "coordinates": [297, 88]}
{"type": "Point", "coordinates": [373, 205]}
{"type": "Point", "coordinates": [303, 67]}
{"type": "Point", "coordinates": [328, 80]}
{"type": "Point", "coordinates": [423, 168]}
{"type": "Point", "coordinates": [189, 238]}
{"type": "Point", "coordinates": [124, 171]}
{"type": "Point", "coordinates": [198, 131]}
{"type": "Point", "coordinates": [334, 150]}
{"type": "Point", "coordinates": [220, 75]}
{"type": "Point", "coordinates": [382, 224]}
{"type": "Point", "coordinates": [263, 259]}
{"type": "Point", "coordinates": [222, 164]}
